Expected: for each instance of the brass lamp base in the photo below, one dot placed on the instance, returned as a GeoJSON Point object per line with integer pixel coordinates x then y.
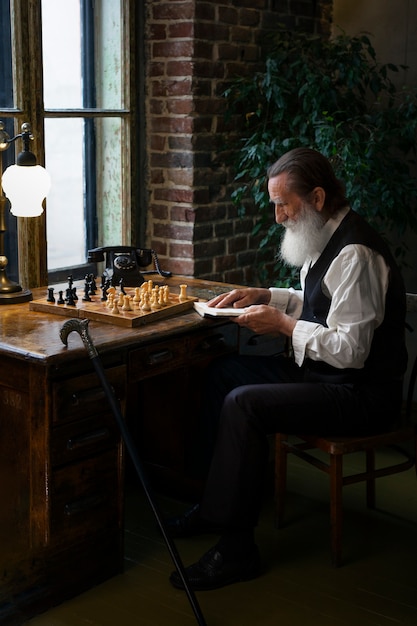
{"type": "Point", "coordinates": [11, 292]}
{"type": "Point", "coordinates": [15, 297]}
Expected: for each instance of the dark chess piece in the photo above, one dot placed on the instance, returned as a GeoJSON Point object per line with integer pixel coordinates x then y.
{"type": "Point", "coordinates": [61, 299]}
{"type": "Point", "coordinates": [93, 286]}
{"type": "Point", "coordinates": [74, 293]}
{"type": "Point", "coordinates": [69, 299]}
{"type": "Point", "coordinates": [50, 297]}
{"type": "Point", "coordinates": [86, 296]}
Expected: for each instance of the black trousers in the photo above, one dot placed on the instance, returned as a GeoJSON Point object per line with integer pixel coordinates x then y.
{"type": "Point", "coordinates": [248, 398]}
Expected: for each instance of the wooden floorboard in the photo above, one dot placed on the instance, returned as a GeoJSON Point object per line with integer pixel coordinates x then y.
{"type": "Point", "coordinates": [377, 585]}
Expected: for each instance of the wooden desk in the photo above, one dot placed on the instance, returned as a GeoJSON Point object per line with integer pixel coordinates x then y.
{"type": "Point", "coordinates": [61, 459]}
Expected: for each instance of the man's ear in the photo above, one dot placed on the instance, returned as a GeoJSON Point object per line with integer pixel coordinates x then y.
{"type": "Point", "coordinates": [319, 197]}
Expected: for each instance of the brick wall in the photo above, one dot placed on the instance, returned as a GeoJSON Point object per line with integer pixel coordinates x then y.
{"type": "Point", "coordinates": [193, 48]}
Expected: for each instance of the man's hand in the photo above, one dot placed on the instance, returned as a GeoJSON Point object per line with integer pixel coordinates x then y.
{"type": "Point", "coordinates": [240, 298]}
{"type": "Point", "coordinates": [266, 320]}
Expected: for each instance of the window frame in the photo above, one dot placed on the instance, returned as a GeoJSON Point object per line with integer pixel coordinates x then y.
{"type": "Point", "coordinates": [26, 26]}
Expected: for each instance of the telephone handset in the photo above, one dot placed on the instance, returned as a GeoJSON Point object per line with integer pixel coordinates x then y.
{"type": "Point", "coordinates": [124, 262]}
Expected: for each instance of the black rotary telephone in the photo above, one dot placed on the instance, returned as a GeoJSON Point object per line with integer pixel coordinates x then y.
{"type": "Point", "coordinates": [125, 262]}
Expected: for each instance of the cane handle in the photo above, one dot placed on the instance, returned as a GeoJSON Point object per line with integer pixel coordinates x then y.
{"type": "Point", "coordinates": [81, 327]}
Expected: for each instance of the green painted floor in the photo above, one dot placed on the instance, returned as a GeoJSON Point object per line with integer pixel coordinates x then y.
{"type": "Point", "coordinates": [377, 585]}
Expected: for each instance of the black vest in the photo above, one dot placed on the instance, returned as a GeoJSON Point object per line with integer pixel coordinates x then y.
{"type": "Point", "coordinates": [387, 360]}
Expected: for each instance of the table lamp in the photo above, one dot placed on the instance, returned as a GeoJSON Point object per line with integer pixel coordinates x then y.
{"type": "Point", "coordinates": [25, 185]}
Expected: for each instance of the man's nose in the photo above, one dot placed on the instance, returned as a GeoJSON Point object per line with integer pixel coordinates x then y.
{"type": "Point", "coordinates": [280, 215]}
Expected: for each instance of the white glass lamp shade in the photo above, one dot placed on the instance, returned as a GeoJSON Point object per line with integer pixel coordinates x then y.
{"type": "Point", "coordinates": [26, 186]}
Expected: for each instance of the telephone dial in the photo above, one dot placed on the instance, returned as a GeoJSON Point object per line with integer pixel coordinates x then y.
{"type": "Point", "coordinates": [125, 262]}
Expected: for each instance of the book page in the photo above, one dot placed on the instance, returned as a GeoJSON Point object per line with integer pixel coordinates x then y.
{"type": "Point", "coordinates": [210, 311]}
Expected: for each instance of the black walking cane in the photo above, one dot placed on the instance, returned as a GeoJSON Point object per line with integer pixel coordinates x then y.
{"type": "Point", "coordinates": [81, 327]}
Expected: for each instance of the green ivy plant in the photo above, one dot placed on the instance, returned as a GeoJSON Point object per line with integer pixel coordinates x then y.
{"type": "Point", "coordinates": [333, 96]}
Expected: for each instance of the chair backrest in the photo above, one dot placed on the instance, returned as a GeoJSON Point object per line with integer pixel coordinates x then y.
{"type": "Point", "coordinates": [411, 308]}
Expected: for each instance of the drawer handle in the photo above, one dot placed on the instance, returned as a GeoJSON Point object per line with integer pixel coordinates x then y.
{"type": "Point", "coordinates": [160, 357]}
{"type": "Point", "coordinates": [83, 504]}
{"type": "Point", "coordinates": [255, 340]}
{"type": "Point", "coordinates": [89, 395]}
{"type": "Point", "coordinates": [215, 341]}
{"type": "Point", "coordinates": [88, 438]}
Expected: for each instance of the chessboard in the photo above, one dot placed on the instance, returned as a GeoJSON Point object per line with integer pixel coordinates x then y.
{"type": "Point", "coordinates": [129, 307]}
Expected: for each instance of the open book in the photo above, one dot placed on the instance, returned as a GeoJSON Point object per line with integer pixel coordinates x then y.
{"type": "Point", "coordinates": [210, 311]}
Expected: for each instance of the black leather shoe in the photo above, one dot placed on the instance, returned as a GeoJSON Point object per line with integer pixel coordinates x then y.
{"type": "Point", "coordinates": [189, 524]}
{"type": "Point", "coordinates": [213, 570]}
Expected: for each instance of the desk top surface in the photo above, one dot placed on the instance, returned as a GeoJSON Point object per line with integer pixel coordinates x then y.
{"type": "Point", "coordinates": [34, 336]}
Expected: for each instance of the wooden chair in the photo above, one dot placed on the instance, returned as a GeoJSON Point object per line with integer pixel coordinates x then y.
{"type": "Point", "coordinates": [336, 448]}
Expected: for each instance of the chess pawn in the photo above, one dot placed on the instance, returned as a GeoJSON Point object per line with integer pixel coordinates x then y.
{"type": "Point", "coordinates": [126, 303]}
{"type": "Point", "coordinates": [121, 299]}
{"type": "Point", "coordinates": [183, 293]}
{"type": "Point", "coordinates": [162, 297]}
{"type": "Point", "coordinates": [115, 309]}
{"type": "Point", "coordinates": [111, 291]}
{"type": "Point", "coordinates": [154, 301]}
{"type": "Point", "coordinates": [146, 305]}
{"type": "Point", "coordinates": [136, 297]}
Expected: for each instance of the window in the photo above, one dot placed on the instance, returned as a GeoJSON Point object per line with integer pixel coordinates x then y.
{"type": "Point", "coordinates": [81, 120]}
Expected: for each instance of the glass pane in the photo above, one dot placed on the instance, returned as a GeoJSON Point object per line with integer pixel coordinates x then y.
{"type": "Point", "coordinates": [6, 82]}
{"type": "Point", "coordinates": [109, 61]}
{"type": "Point", "coordinates": [61, 40]}
{"type": "Point", "coordinates": [110, 161]}
{"type": "Point", "coordinates": [64, 150]}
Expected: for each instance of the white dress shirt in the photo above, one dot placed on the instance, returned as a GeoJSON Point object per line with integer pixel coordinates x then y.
{"type": "Point", "coordinates": [357, 283]}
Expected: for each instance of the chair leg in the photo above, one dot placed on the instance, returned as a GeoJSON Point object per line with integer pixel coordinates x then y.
{"type": "Point", "coordinates": [280, 478]}
{"type": "Point", "coordinates": [336, 511]}
{"type": "Point", "coordinates": [370, 481]}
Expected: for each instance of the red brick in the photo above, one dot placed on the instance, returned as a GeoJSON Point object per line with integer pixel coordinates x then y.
{"type": "Point", "coordinates": [157, 69]}
{"type": "Point", "coordinates": [181, 250]}
{"type": "Point", "coordinates": [159, 211]}
{"type": "Point", "coordinates": [172, 125]}
{"type": "Point", "coordinates": [182, 214]}
{"type": "Point", "coordinates": [180, 142]}
{"type": "Point", "coordinates": [179, 68]}
{"type": "Point", "coordinates": [249, 17]}
{"type": "Point", "coordinates": [158, 142]}
{"type": "Point", "coordinates": [173, 231]}
{"type": "Point", "coordinates": [181, 30]}
{"type": "Point", "coordinates": [183, 267]}
{"type": "Point", "coordinates": [180, 107]}
{"type": "Point", "coordinates": [157, 32]}
{"type": "Point", "coordinates": [172, 10]}
{"type": "Point", "coordinates": [223, 263]}
{"type": "Point", "coordinates": [228, 15]}
{"type": "Point", "coordinates": [171, 49]}
{"type": "Point", "coordinates": [226, 51]}
{"type": "Point", "coordinates": [174, 195]}
{"type": "Point", "coordinates": [167, 88]}
{"type": "Point", "coordinates": [209, 248]}
{"type": "Point", "coordinates": [237, 244]}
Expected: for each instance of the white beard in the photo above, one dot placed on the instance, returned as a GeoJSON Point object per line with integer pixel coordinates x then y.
{"type": "Point", "coordinates": [302, 238]}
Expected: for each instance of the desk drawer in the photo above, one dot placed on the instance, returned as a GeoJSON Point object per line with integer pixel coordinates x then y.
{"type": "Point", "coordinates": [169, 356]}
{"type": "Point", "coordinates": [85, 497]}
{"type": "Point", "coordinates": [76, 440]}
{"type": "Point", "coordinates": [213, 342]}
{"type": "Point", "coordinates": [83, 396]}
{"type": "Point", "coordinates": [157, 358]}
